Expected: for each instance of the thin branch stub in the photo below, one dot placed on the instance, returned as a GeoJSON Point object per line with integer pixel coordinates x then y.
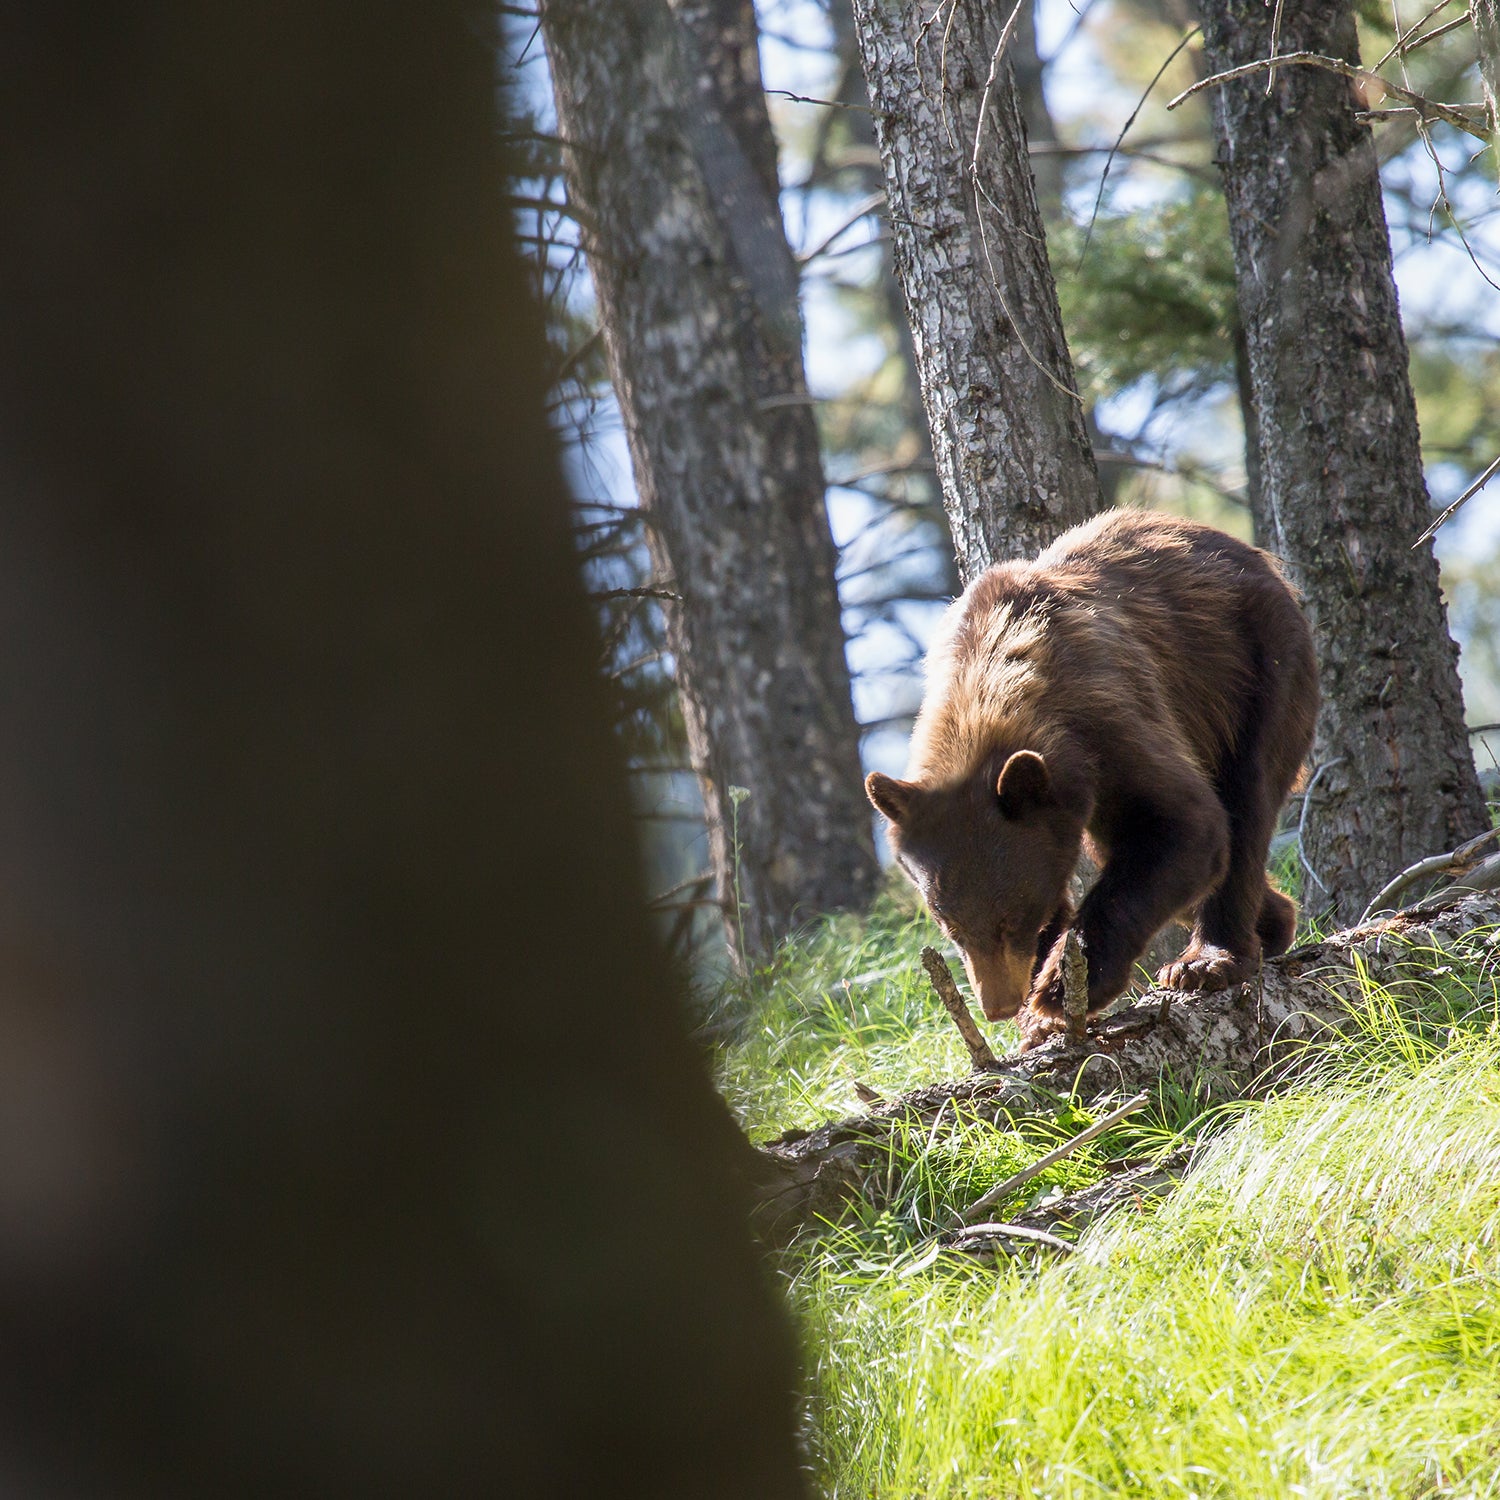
{"type": "Point", "coordinates": [1074, 970]}
{"type": "Point", "coordinates": [953, 1002]}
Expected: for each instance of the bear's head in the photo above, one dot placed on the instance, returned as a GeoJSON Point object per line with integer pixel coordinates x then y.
{"type": "Point", "coordinates": [992, 856]}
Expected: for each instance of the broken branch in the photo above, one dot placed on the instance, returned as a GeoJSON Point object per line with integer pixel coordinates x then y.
{"type": "Point", "coordinates": [953, 1002]}
{"type": "Point", "coordinates": [1073, 969]}
{"type": "Point", "coordinates": [1459, 862]}
{"type": "Point", "coordinates": [1021, 1232]}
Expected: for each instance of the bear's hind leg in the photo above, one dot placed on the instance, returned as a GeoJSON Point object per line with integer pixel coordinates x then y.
{"type": "Point", "coordinates": [1246, 916]}
{"type": "Point", "coordinates": [1278, 922]}
{"type": "Point", "coordinates": [1226, 944]}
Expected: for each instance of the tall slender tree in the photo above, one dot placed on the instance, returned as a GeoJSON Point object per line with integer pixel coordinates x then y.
{"type": "Point", "coordinates": [1046, 160]}
{"type": "Point", "coordinates": [855, 119]}
{"type": "Point", "coordinates": [1341, 480]}
{"type": "Point", "coordinates": [1012, 447]}
{"type": "Point", "coordinates": [672, 169]}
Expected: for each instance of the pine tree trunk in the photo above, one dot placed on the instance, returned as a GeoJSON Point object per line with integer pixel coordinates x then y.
{"type": "Point", "coordinates": [1012, 450]}
{"type": "Point", "coordinates": [917, 438]}
{"type": "Point", "coordinates": [1341, 470]}
{"type": "Point", "coordinates": [671, 168]}
{"type": "Point", "coordinates": [1485, 15]}
{"type": "Point", "coordinates": [1048, 181]}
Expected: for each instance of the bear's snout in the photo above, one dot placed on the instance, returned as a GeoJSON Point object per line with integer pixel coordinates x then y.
{"type": "Point", "coordinates": [1001, 980]}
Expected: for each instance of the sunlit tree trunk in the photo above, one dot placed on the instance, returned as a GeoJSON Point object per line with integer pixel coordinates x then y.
{"type": "Point", "coordinates": [858, 121]}
{"type": "Point", "coordinates": [672, 171]}
{"type": "Point", "coordinates": [1012, 448]}
{"type": "Point", "coordinates": [1486, 18]}
{"type": "Point", "coordinates": [1342, 488]}
{"type": "Point", "coordinates": [1048, 177]}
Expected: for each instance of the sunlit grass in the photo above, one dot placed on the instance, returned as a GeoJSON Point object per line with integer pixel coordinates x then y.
{"type": "Point", "coordinates": [845, 1001]}
{"type": "Point", "coordinates": [1315, 1311]}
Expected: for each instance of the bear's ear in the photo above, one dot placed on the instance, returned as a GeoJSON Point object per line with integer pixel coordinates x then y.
{"type": "Point", "coordinates": [1023, 784]}
{"type": "Point", "coordinates": [891, 797]}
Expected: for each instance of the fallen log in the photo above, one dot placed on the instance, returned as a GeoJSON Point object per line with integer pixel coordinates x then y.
{"type": "Point", "coordinates": [1241, 1042]}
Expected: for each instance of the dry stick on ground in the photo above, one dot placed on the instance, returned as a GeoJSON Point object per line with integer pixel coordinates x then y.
{"type": "Point", "coordinates": [1022, 1232]}
{"type": "Point", "coordinates": [953, 1002]}
{"type": "Point", "coordinates": [1005, 1189]}
{"type": "Point", "coordinates": [1237, 1043]}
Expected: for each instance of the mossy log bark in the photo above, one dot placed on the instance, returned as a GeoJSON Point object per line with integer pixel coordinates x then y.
{"type": "Point", "coordinates": [1239, 1043]}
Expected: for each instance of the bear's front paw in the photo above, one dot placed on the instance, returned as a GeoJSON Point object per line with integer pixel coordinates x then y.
{"type": "Point", "coordinates": [1037, 1027]}
{"type": "Point", "coordinates": [1205, 967]}
{"type": "Point", "coordinates": [1046, 998]}
{"type": "Point", "coordinates": [1045, 1013]}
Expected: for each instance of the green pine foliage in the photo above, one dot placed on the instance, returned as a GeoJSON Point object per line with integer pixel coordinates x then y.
{"type": "Point", "coordinates": [1151, 297]}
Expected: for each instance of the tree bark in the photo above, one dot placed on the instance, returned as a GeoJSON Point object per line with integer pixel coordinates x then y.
{"type": "Point", "coordinates": [859, 122]}
{"type": "Point", "coordinates": [671, 168]}
{"type": "Point", "coordinates": [1485, 14]}
{"type": "Point", "coordinates": [1237, 1043]}
{"type": "Point", "coordinates": [1012, 450]}
{"type": "Point", "coordinates": [327, 999]}
{"type": "Point", "coordinates": [1340, 463]}
{"type": "Point", "coordinates": [1048, 182]}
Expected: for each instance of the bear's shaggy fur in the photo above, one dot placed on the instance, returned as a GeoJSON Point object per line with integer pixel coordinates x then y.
{"type": "Point", "coordinates": [1146, 682]}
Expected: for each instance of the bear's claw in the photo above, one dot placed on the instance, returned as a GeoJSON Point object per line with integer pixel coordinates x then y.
{"type": "Point", "coordinates": [1206, 969]}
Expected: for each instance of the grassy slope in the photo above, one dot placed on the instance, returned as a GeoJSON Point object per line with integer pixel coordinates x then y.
{"type": "Point", "coordinates": [1315, 1312]}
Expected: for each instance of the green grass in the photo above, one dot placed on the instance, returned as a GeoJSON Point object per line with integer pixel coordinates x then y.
{"type": "Point", "coordinates": [845, 1001]}
{"type": "Point", "coordinates": [1314, 1312]}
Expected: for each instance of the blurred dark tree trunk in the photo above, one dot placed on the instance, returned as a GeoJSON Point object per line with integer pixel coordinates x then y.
{"type": "Point", "coordinates": [672, 168]}
{"type": "Point", "coordinates": [351, 1142]}
{"type": "Point", "coordinates": [1343, 492]}
{"type": "Point", "coordinates": [1012, 448]}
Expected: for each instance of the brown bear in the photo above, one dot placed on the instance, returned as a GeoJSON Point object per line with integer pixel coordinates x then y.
{"type": "Point", "coordinates": [1147, 683]}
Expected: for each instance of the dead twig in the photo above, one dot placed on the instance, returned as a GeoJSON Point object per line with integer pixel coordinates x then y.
{"type": "Point", "coordinates": [1458, 862]}
{"type": "Point", "coordinates": [1019, 1232]}
{"type": "Point", "coordinates": [1452, 510]}
{"type": "Point", "coordinates": [1109, 160]}
{"type": "Point", "coordinates": [1020, 1179]}
{"type": "Point", "coordinates": [953, 1002]}
{"type": "Point", "coordinates": [1404, 43]}
{"type": "Point", "coordinates": [1317, 776]}
{"type": "Point", "coordinates": [1430, 108]}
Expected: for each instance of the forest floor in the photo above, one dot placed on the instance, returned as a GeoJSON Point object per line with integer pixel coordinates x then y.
{"type": "Point", "coordinates": [1313, 1310]}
